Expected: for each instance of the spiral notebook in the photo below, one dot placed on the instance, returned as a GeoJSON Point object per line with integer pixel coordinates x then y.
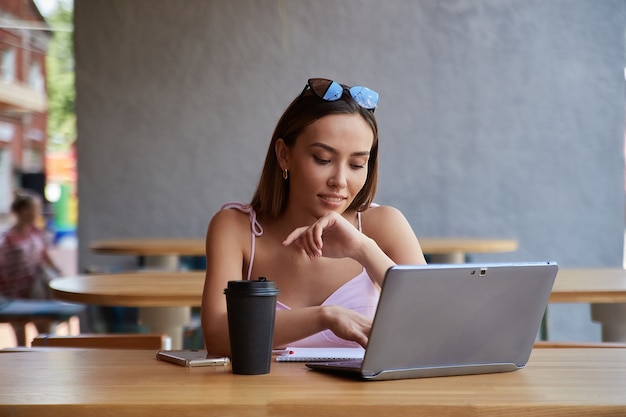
{"type": "Point", "coordinates": [294, 354]}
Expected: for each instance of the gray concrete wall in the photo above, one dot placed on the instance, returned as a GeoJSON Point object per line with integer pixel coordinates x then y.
{"type": "Point", "coordinates": [498, 117]}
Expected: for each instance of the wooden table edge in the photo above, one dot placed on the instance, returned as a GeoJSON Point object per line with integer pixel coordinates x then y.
{"type": "Point", "coordinates": [125, 300]}
{"type": "Point", "coordinates": [470, 246]}
{"type": "Point", "coordinates": [599, 297]}
{"type": "Point", "coordinates": [195, 247]}
{"type": "Point", "coordinates": [146, 252]}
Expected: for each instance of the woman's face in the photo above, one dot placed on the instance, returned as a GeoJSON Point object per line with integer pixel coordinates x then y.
{"type": "Point", "coordinates": [328, 163]}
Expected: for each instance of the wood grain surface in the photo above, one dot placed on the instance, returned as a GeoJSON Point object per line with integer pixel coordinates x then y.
{"type": "Point", "coordinates": [63, 382]}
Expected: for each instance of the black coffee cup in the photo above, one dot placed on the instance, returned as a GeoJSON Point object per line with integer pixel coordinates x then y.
{"type": "Point", "coordinates": [251, 309]}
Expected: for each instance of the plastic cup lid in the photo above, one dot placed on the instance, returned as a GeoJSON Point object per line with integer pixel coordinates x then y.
{"type": "Point", "coordinates": [248, 287]}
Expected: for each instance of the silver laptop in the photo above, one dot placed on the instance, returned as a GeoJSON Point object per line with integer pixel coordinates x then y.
{"type": "Point", "coordinates": [440, 320]}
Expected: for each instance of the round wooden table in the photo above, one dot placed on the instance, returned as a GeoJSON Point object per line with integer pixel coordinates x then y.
{"type": "Point", "coordinates": [134, 289]}
{"type": "Point", "coordinates": [453, 250]}
{"type": "Point", "coordinates": [161, 253]}
{"type": "Point", "coordinates": [171, 289]}
{"type": "Point", "coordinates": [604, 286]}
{"type": "Point", "coordinates": [605, 289]}
{"type": "Point", "coordinates": [164, 252]}
{"type": "Point", "coordinates": [150, 246]}
{"type": "Point", "coordinates": [164, 298]}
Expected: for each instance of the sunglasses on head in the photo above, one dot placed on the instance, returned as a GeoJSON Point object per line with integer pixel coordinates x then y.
{"type": "Point", "coordinates": [329, 90]}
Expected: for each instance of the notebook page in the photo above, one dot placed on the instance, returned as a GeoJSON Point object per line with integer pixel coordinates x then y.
{"type": "Point", "coordinates": [298, 354]}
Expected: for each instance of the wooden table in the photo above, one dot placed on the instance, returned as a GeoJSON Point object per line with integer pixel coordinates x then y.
{"type": "Point", "coordinates": [161, 294]}
{"type": "Point", "coordinates": [161, 253]}
{"type": "Point", "coordinates": [163, 297]}
{"type": "Point", "coordinates": [170, 289]}
{"type": "Point", "coordinates": [452, 250]}
{"type": "Point", "coordinates": [62, 382]}
{"type": "Point", "coordinates": [149, 246]}
{"type": "Point", "coordinates": [589, 286]}
{"type": "Point", "coordinates": [604, 288]}
{"type": "Point", "coordinates": [139, 289]}
{"type": "Point", "coordinates": [156, 254]}
{"type": "Point", "coordinates": [164, 252]}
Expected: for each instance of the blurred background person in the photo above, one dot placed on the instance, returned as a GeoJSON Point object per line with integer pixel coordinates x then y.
{"type": "Point", "coordinates": [25, 265]}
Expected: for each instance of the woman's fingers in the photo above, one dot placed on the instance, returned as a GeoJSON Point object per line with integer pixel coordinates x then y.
{"type": "Point", "coordinates": [348, 324]}
{"type": "Point", "coordinates": [295, 235]}
{"type": "Point", "coordinates": [312, 249]}
{"type": "Point", "coordinates": [315, 235]}
{"type": "Point", "coordinates": [363, 336]}
{"type": "Point", "coordinates": [360, 335]}
{"type": "Point", "coordinates": [361, 340]}
{"type": "Point", "coordinates": [309, 238]}
{"type": "Point", "coordinates": [301, 237]}
{"type": "Point", "coordinates": [318, 228]}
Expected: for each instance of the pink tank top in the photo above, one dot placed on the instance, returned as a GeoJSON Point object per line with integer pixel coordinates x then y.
{"type": "Point", "coordinates": [359, 294]}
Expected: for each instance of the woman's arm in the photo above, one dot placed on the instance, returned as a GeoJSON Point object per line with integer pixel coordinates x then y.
{"type": "Point", "coordinates": [224, 259]}
{"type": "Point", "coordinates": [387, 240]}
{"type": "Point", "coordinates": [50, 263]}
{"type": "Point", "coordinates": [388, 227]}
{"type": "Point", "coordinates": [297, 324]}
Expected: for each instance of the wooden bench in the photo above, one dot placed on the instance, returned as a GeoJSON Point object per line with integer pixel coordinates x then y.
{"type": "Point", "coordinates": [22, 312]}
{"type": "Point", "coordinates": [106, 341]}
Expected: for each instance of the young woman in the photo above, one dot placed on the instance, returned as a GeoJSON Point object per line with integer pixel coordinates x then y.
{"type": "Point", "coordinates": [312, 226]}
{"type": "Point", "coordinates": [23, 253]}
{"type": "Point", "coordinates": [23, 259]}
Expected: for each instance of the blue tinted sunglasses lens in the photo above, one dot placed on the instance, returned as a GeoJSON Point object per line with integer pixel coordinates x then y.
{"type": "Point", "coordinates": [365, 97]}
{"type": "Point", "coordinates": [329, 90]}
{"type": "Point", "coordinates": [333, 92]}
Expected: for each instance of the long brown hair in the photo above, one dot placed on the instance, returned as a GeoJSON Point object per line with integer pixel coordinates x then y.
{"type": "Point", "coordinates": [272, 193]}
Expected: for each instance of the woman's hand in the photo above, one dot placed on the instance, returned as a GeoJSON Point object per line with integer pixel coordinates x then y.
{"type": "Point", "coordinates": [347, 324]}
{"type": "Point", "coordinates": [331, 236]}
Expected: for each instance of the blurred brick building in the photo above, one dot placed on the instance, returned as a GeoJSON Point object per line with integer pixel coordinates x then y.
{"type": "Point", "coordinates": [24, 38]}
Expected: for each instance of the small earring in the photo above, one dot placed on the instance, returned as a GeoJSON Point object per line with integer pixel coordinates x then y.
{"type": "Point", "coordinates": [285, 174]}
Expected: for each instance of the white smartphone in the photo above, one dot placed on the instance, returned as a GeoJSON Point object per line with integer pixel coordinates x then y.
{"type": "Point", "coordinates": [192, 358]}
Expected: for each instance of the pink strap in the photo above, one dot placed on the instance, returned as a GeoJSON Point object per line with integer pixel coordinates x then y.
{"type": "Point", "coordinates": [358, 216]}
{"type": "Point", "coordinates": [257, 229]}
